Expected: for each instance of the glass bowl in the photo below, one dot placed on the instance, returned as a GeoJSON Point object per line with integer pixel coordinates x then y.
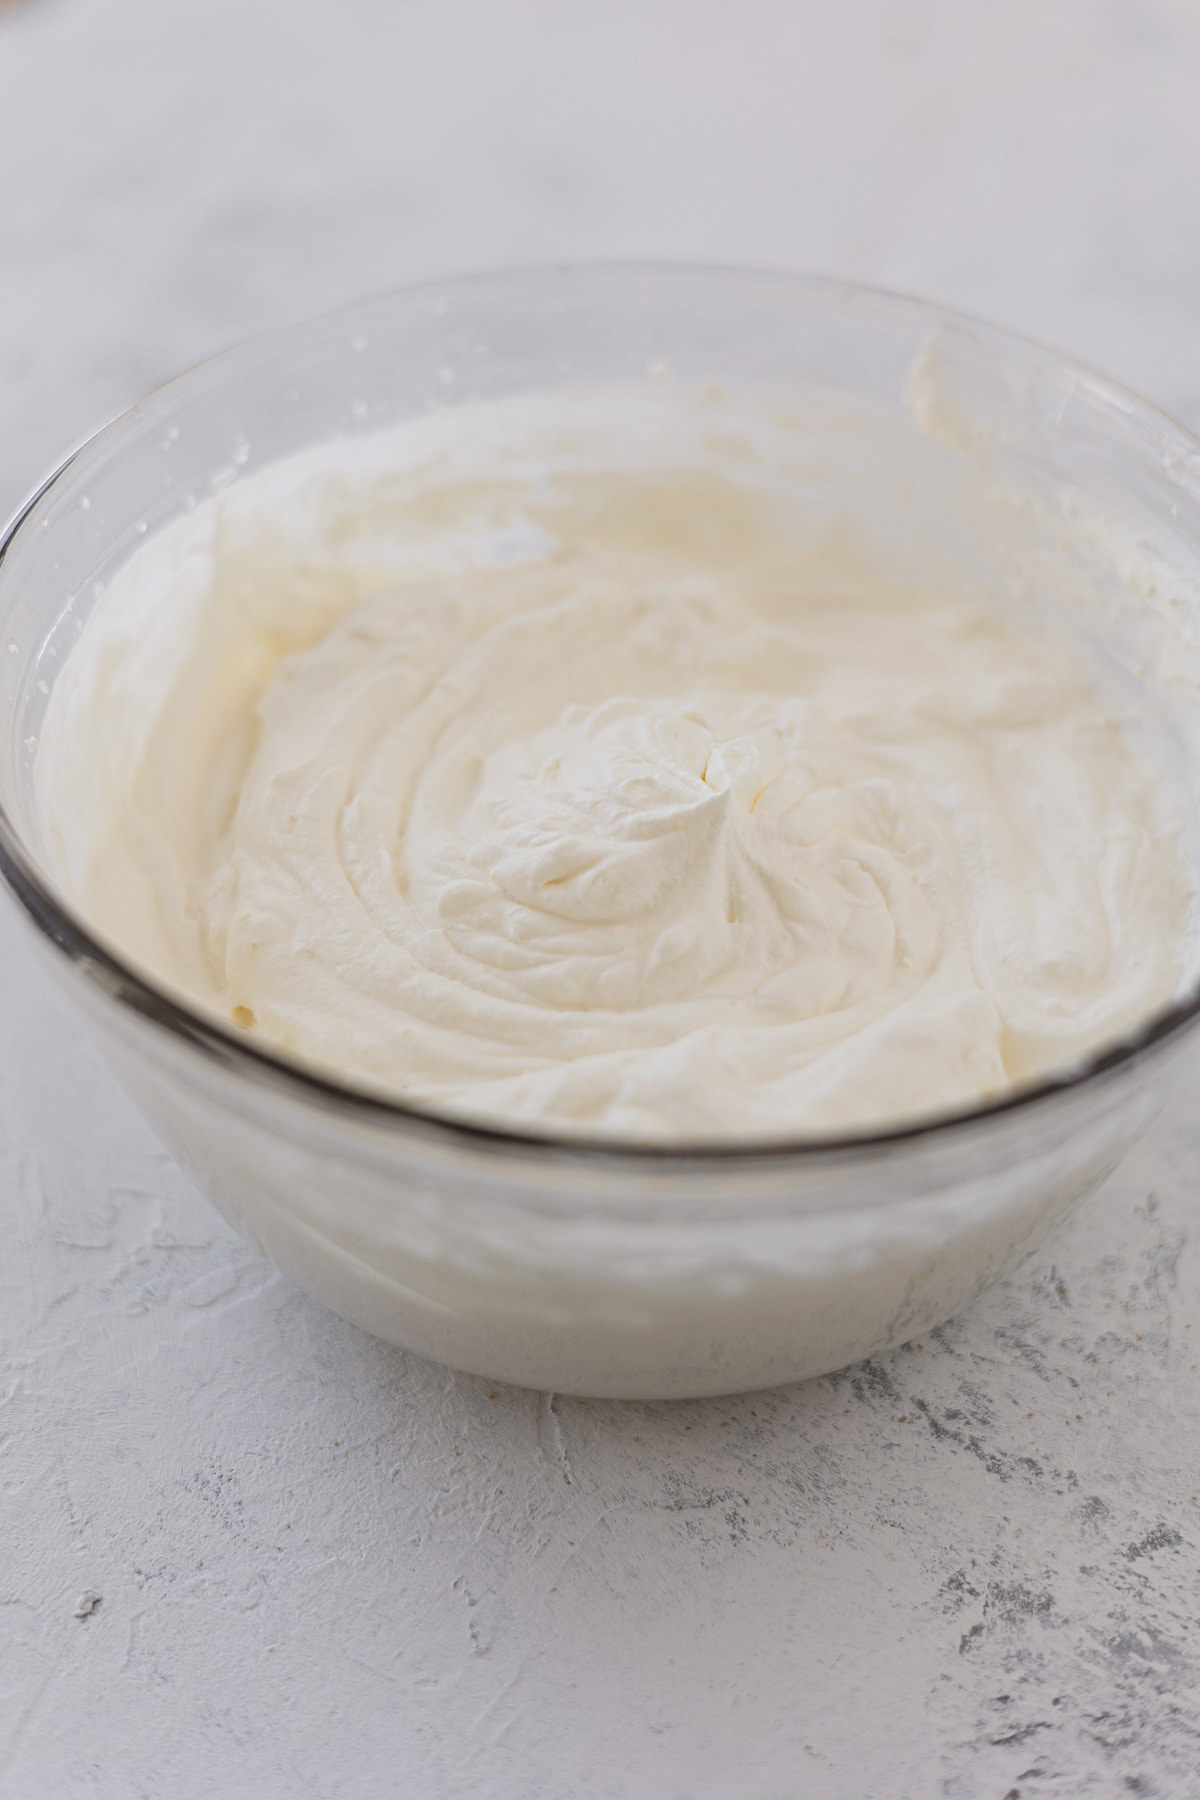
{"type": "Point", "coordinates": [597, 1267]}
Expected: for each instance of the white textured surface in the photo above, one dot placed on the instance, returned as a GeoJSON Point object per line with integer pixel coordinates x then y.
{"type": "Point", "coordinates": [324, 1569]}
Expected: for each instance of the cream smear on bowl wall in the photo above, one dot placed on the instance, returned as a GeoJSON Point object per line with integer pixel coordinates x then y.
{"type": "Point", "coordinates": [574, 765]}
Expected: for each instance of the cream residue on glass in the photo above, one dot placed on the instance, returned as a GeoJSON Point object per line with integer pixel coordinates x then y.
{"type": "Point", "coordinates": [535, 766]}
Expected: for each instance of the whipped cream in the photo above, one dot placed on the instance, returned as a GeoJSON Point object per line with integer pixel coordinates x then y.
{"type": "Point", "coordinates": [537, 767]}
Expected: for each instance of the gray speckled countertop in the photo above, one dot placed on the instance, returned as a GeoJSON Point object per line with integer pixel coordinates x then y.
{"type": "Point", "coordinates": [244, 1551]}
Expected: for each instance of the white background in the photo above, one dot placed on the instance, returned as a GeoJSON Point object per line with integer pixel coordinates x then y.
{"type": "Point", "coordinates": [327, 1570]}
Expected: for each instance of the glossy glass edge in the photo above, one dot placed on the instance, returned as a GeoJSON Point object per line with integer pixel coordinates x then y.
{"type": "Point", "coordinates": [125, 986]}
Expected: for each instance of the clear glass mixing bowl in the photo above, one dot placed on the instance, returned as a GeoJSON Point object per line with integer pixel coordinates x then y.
{"type": "Point", "coordinates": [599, 1268]}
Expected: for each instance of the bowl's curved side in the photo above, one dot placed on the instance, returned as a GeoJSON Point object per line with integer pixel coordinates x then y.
{"type": "Point", "coordinates": [623, 1301]}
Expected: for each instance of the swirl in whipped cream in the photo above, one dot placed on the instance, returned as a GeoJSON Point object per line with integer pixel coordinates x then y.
{"type": "Point", "coordinates": [590, 800]}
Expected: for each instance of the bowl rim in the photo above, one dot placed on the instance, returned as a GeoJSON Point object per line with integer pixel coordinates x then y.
{"type": "Point", "coordinates": [125, 985]}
